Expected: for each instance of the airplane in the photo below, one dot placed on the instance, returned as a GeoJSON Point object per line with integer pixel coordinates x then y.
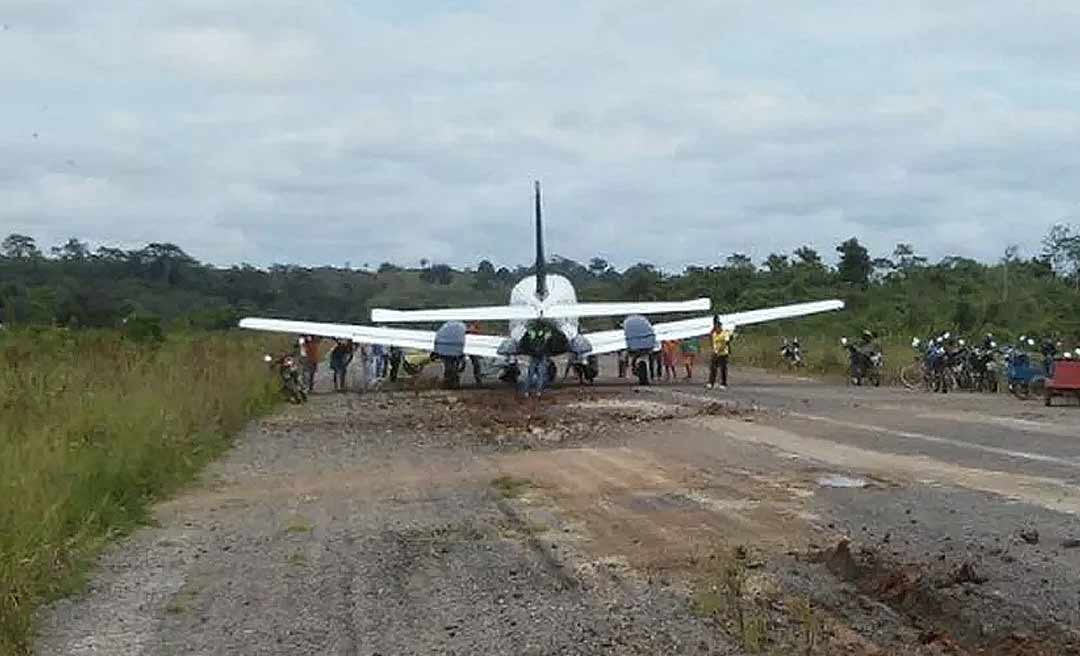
{"type": "Point", "coordinates": [543, 316]}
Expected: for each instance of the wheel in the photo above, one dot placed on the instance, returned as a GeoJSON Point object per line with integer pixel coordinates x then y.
{"type": "Point", "coordinates": [1048, 398]}
{"type": "Point", "coordinates": [451, 373]}
{"type": "Point", "coordinates": [913, 376]}
{"type": "Point", "coordinates": [949, 379]}
{"type": "Point", "coordinates": [641, 370]}
{"type": "Point", "coordinates": [511, 374]}
{"type": "Point", "coordinates": [1020, 390]}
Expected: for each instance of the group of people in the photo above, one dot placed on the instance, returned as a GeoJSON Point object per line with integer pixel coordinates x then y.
{"type": "Point", "coordinates": [377, 360]}
{"type": "Point", "coordinates": [380, 362]}
{"type": "Point", "coordinates": [663, 363]}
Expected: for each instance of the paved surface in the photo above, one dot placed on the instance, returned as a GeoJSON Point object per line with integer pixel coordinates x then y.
{"type": "Point", "coordinates": [671, 519]}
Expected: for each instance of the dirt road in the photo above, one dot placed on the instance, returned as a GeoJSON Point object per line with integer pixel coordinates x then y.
{"type": "Point", "coordinates": [779, 515]}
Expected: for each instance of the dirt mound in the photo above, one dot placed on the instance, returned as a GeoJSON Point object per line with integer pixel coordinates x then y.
{"type": "Point", "coordinates": [502, 417]}
{"type": "Point", "coordinates": [920, 594]}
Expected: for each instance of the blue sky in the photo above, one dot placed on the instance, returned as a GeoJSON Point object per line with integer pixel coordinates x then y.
{"type": "Point", "coordinates": [331, 132]}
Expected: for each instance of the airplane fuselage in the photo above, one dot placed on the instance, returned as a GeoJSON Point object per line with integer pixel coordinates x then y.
{"type": "Point", "coordinates": [560, 291]}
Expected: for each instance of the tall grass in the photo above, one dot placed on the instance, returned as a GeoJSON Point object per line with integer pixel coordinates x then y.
{"type": "Point", "coordinates": [823, 356]}
{"type": "Point", "coordinates": [92, 430]}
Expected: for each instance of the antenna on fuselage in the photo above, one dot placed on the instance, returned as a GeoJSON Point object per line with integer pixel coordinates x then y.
{"type": "Point", "coordinates": [541, 275]}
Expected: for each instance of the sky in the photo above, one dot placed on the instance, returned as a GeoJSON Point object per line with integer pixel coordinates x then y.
{"type": "Point", "coordinates": [354, 131]}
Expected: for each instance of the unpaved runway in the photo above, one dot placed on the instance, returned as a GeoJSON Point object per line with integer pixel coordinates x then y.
{"type": "Point", "coordinates": [611, 521]}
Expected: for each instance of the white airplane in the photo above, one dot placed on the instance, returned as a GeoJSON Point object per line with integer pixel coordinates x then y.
{"type": "Point", "coordinates": [543, 316]}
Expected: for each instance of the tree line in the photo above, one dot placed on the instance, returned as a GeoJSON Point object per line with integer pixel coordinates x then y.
{"type": "Point", "coordinates": [900, 292]}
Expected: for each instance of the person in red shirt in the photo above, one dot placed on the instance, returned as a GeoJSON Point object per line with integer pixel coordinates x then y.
{"type": "Point", "coordinates": [309, 350]}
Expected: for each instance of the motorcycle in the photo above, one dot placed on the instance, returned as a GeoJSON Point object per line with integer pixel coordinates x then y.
{"type": "Point", "coordinates": [865, 364]}
{"type": "Point", "coordinates": [984, 368]}
{"type": "Point", "coordinates": [940, 365]}
{"type": "Point", "coordinates": [1022, 376]}
{"type": "Point", "coordinates": [792, 354]}
{"type": "Point", "coordinates": [290, 375]}
{"type": "Point", "coordinates": [586, 368]}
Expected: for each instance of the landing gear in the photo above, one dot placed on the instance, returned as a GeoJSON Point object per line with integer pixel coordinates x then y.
{"type": "Point", "coordinates": [641, 370]}
{"type": "Point", "coordinates": [452, 368]}
{"type": "Point", "coordinates": [510, 374]}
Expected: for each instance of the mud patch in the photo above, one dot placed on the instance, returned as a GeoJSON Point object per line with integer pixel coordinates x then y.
{"type": "Point", "coordinates": [925, 598]}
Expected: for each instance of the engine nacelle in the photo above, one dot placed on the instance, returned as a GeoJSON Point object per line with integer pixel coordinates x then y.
{"type": "Point", "coordinates": [450, 340]}
{"type": "Point", "coordinates": [639, 334]}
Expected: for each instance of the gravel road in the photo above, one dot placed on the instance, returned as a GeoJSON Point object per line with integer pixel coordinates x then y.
{"type": "Point", "coordinates": [780, 515]}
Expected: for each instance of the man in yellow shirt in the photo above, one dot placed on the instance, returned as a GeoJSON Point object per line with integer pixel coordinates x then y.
{"type": "Point", "coordinates": [721, 349]}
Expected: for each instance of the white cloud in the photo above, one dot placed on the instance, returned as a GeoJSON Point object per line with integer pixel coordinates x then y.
{"type": "Point", "coordinates": [669, 133]}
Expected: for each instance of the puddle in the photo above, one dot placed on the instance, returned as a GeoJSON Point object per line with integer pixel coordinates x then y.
{"type": "Point", "coordinates": [842, 481]}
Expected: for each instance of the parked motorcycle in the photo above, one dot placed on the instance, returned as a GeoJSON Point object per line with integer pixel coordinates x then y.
{"type": "Point", "coordinates": [1022, 376]}
{"type": "Point", "coordinates": [983, 364]}
{"type": "Point", "coordinates": [792, 353]}
{"type": "Point", "coordinates": [288, 369]}
{"type": "Point", "coordinates": [865, 363]}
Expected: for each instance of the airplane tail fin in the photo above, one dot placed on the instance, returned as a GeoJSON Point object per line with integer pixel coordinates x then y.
{"type": "Point", "coordinates": [541, 274]}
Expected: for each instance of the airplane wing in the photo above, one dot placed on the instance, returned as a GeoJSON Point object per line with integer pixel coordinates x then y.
{"type": "Point", "coordinates": [609, 341]}
{"type": "Point", "coordinates": [485, 346]}
{"type": "Point", "coordinates": [526, 312]}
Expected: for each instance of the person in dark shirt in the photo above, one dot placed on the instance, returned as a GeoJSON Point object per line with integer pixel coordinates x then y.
{"type": "Point", "coordinates": [340, 357]}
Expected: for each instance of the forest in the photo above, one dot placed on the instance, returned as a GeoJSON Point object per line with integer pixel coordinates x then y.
{"type": "Point", "coordinates": [902, 292]}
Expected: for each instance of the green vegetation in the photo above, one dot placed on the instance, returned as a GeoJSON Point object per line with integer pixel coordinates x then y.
{"type": "Point", "coordinates": [93, 428]}
{"type": "Point", "coordinates": [299, 525]}
{"type": "Point", "coordinates": [823, 356]}
{"type": "Point", "coordinates": [509, 487]}
{"type": "Point", "coordinates": [723, 593]}
{"type": "Point", "coordinates": [899, 295]}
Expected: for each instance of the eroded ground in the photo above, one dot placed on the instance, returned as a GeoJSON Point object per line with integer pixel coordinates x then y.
{"type": "Point", "coordinates": [779, 517]}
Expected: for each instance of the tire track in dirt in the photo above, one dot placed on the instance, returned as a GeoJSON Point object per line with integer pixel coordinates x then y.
{"type": "Point", "coordinates": [1051, 493]}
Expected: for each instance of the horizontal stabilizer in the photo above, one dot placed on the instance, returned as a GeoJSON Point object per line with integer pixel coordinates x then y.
{"type": "Point", "coordinates": [527, 312]}
{"type": "Point", "coordinates": [617, 309]}
{"type": "Point", "coordinates": [488, 313]}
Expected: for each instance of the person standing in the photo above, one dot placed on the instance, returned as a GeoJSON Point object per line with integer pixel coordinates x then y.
{"type": "Point", "coordinates": [375, 360]}
{"type": "Point", "coordinates": [655, 363]}
{"type": "Point", "coordinates": [340, 357]}
{"type": "Point", "coordinates": [689, 349]}
{"type": "Point", "coordinates": [309, 349]}
{"type": "Point", "coordinates": [474, 360]}
{"type": "Point", "coordinates": [670, 352]}
{"type": "Point", "coordinates": [535, 343]}
{"type": "Point", "coordinates": [721, 350]}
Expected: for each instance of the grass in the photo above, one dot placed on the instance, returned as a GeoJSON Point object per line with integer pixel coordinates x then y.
{"type": "Point", "coordinates": [824, 357]}
{"type": "Point", "coordinates": [93, 430]}
{"type": "Point", "coordinates": [299, 525]}
{"type": "Point", "coordinates": [509, 487]}
{"type": "Point", "coordinates": [722, 593]}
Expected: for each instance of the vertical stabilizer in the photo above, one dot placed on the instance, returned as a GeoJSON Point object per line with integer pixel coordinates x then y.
{"type": "Point", "coordinates": [541, 275]}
